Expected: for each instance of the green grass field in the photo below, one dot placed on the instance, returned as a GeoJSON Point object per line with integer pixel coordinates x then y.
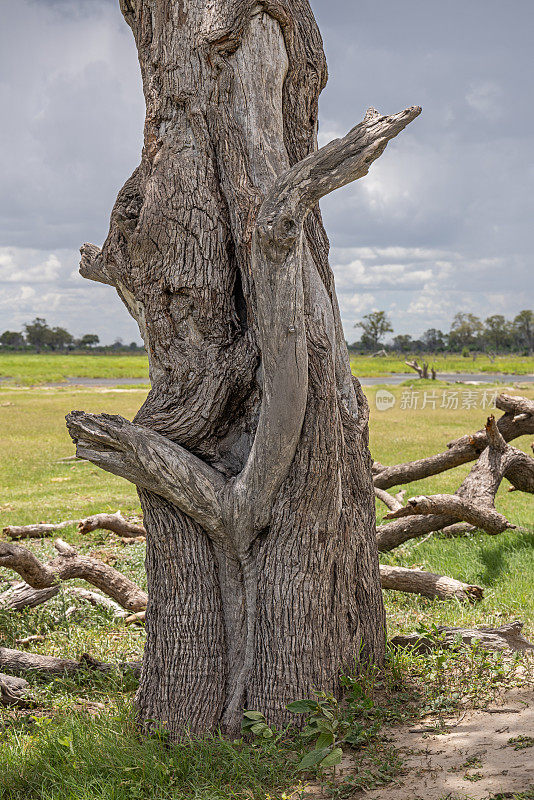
{"type": "Point", "coordinates": [50, 753]}
{"type": "Point", "coordinates": [32, 368]}
{"type": "Point", "coordinates": [368, 367]}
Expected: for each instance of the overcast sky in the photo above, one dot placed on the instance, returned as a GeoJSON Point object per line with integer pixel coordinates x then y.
{"type": "Point", "coordinates": [442, 223]}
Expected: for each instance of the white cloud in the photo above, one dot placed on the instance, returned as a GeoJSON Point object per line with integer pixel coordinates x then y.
{"type": "Point", "coordinates": [37, 283]}
{"type": "Point", "coordinates": [420, 288]}
{"type": "Point", "coordinates": [485, 97]}
{"type": "Point", "coordinates": [17, 264]}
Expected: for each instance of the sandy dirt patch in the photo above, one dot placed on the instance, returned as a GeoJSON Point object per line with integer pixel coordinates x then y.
{"type": "Point", "coordinates": [474, 758]}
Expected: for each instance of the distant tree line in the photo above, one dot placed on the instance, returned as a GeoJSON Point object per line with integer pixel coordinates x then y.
{"type": "Point", "coordinates": [468, 335]}
{"type": "Point", "coordinates": [39, 337]}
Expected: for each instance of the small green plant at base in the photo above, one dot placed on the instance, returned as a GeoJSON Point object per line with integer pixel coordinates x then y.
{"type": "Point", "coordinates": [326, 727]}
{"type": "Point", "coordinates": [473, 777]}
{"type": "Point", "coordinates": [254, 722]}
{"type": "Point", "coordinates": [472, 761]}
{"type": "Point", "coordinates": [521, 742]}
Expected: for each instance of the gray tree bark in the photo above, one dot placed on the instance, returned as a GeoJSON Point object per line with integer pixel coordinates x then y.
{"type": "Point", "coordinates": [250, 452]}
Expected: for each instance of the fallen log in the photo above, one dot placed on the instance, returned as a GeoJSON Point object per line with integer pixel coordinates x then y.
{"type": "Point", "coordinates": [18, 661]}
{"type": "Point", "coordinates": [37, 531]}
{"type": "Point", "coordinates": [473, 502]}
{"type": "Point", "coordinates": [415, 581]}
{"type": "Point", "coordinates": [109, 522]}
{"type": "Point", "coordinates": [506, 637]}
{"type": "Point", "coordinates": [459, 508]}
{"type": "Point", "coordinates": [69, 564]}
{"type": "Point", "coordinates": [518, 420]}
{"type": "Point", "coordinates": [458, 529]}
{"type": "Point", "coordinates": [98, 600]}
{"type": "Point", "coordinates": [136, 619]}
{"type": "Point", "coordinates": [389, 500]}
{"type": "Point", "coordinates": [13, 691]}
{"type": "Point", "coordinates": [521, 473]}
{"type": "Point", "coordinates": [36, 637]}
{"type": "Point", "coordinates": [112, 522]}
{"type": "Point", "coordinates": [22, 595]}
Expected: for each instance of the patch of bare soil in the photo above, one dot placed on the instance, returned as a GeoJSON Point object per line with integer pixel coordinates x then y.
{"type": "Point", "coordinates": [482, 754]}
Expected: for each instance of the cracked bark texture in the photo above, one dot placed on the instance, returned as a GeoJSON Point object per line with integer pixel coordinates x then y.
{"type": "Point", "coordinates": [250, 452]}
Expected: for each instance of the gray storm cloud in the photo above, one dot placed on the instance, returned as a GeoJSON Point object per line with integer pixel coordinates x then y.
{"type": "Point", "coordinates": [442, 222]}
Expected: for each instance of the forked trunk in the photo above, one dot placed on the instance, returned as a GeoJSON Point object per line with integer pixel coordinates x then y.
{"type": "Point", "coordinates": [256, 485]}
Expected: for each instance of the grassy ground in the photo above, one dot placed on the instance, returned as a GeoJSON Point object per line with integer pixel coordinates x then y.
{"type": "Point", "coordinates": [50, 752]}
{"type": "Point", "coordinates": [366, 366]}
{"type": "Point", "coordinates": [32, 368]}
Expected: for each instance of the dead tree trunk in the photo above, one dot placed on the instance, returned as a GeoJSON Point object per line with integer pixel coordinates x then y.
{"type": "Point", "coordinates": [421, 371]}
{"type": "Point", "coordinates": [250, 452]}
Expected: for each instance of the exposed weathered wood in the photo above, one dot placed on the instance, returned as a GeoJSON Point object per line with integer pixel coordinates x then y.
{"type": "Point", "coordinates": [38, 530]}
{"type": "Point", "coordinates": [98, 600]}
{"type": "Point", "coordinates": [422, 371]}
{"type": "Point", "coordinates": [473, 502]}
{"type": "Point", "coordinates": [487, 519]}
{"type": "Point", "coordinates": [458, 529]}
{"type": "Point", "coordinates": [69, 564]}
{"type": "Point", "coordinates": [111, 522]}
{"type": "Point", "coordinates": [132, 539]}
{"type": "Point", "coordinates": [520, 472]}
{"type": "Point", "coordinates": [21, 595]}
{"type": "Point", "coordinates": [13, 691]}
{"type": "Point", "coordinates": [134, 619]}
{"type": "Point", "coordinates": [506, 637]}
{"type": "Point", "coordinates": [234, 512]}
{"type": "Point", "coordinates": [19, 661]}
{"type": "Point", "coordinates": [152, 462]}
{"type": "Point", "coordinates": [36, 637]}
{"type": "Point", "coordinates": [516, 405]}
{"type": "Point", "coordinates": [393, 503]}
{"type": "Point", "coordinates": [518, 420]}
{"type": "Point", "coordinates": [428, 584]}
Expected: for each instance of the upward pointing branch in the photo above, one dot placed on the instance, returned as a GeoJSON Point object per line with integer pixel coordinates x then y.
{"type": "Point", "coordinates": [277, 261]}
{"type": "Point", "coordinates": [233, 512]}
